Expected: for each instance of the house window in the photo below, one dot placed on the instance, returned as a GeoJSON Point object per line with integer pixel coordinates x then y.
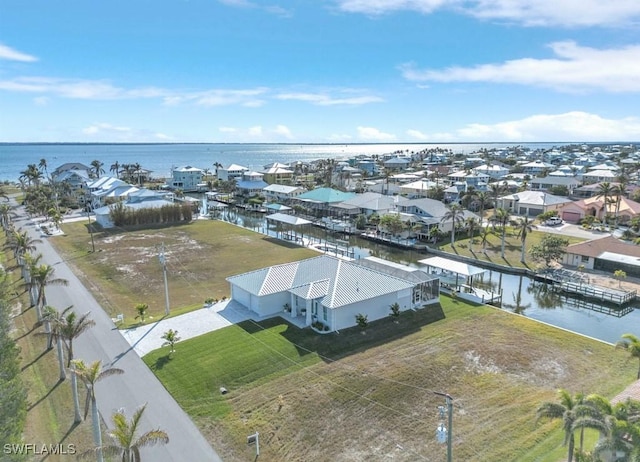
{"type": "Point", "coordinates": [314, 308]}
{"type": "Point", "coordinates": [585, 259]}
{"type": "Point", "coordinates": [324, 313]}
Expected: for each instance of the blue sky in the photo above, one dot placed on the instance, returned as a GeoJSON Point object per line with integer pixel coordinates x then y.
{"type": "Point", "coordinates": [314, 71]}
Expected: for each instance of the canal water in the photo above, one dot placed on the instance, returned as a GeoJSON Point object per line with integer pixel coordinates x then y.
{"type": "Point", "coordinates": [520, 294]}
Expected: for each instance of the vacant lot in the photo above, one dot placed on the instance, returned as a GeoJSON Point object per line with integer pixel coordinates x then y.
{"type": "Point", "coordinates": [355, 397]}
{"type": "Point", "coordinates": [125, 269]}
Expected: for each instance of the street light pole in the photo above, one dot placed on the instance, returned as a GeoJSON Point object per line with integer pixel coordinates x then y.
{"type": "Point", "coordinates": [163, 262]}
{"type": "Point", "coordinates": [449, 401]}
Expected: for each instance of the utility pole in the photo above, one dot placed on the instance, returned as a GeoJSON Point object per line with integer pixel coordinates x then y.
{"type": "Point", "coordinates": [163, 262]}
{"type": "Point", "coordinates": [442, 430]}
{"type": "Point", "coordinates": [93, 245]}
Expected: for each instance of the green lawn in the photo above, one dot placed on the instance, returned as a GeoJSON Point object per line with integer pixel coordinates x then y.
{"type": "Point", "coordinates": [493, 247]}
{"type": "Point", "coordinates": [354, 396]}
{"type": "Point", "coordinates": [125, 269]}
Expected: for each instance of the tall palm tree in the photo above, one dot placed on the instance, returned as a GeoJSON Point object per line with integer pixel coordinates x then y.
{"type": "Point", "coordinates": [115, 168]}
{"type": "Point", "coordinates": [482, 199]}
{"type": "Point", "coordinates": [90, 375]}
{"type": "Point", "coordinates": [71, 327]}
{"type": "Point", "coordinates": [217, 165]}
{"type": "Point", "coordinates": [126, 444]}
{"type": "Point", "coordinates": [524, 227]}
{"type": "Point", "coordinates": [3, 193]}
{"type": "Point", "coordinates": [31, 262]}
{"type": "Point", "coordinates": [455, 215]}
{"type": "Point", "coordinates": [96, 168]}
{"type": "Point", "coordinates": [631, 343]}
{"type": "Point", "coordinates": [56, 319]}
{"type": "Point", "coordinates": [501, 218]}
{"type": "Point", "coordinates": [496, 190]}
{"type": "Point", "coordinates": [31, 175]}
{"type": "Point", "coordinates": [43, 276]}
{"type": "Point", "coordinates": [605, 192]}
{"type": "Point", "coordinates": [472, 224]}
{"type": "Point", "coordinates": [565, 409]}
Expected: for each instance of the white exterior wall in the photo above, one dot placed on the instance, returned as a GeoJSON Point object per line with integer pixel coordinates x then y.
{"type": "Point", "coordinates": [104, 220]}
{"type": "Point", "coordinates": [377, 308]}
{"type": "Point", "coordinates": [576, 260]}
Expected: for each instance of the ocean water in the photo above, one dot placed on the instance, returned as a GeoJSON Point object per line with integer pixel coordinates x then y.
{"type": "Point", "coordinates": [160, 158]}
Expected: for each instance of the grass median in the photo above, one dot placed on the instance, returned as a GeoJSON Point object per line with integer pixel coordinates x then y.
{"type": "Point", "coordinates": [354, 396]}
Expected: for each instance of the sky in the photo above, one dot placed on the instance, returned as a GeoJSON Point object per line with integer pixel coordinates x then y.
{"type": "Point", "coordinates": [319, 71]}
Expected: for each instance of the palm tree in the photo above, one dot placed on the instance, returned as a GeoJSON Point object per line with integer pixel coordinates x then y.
{"type": "Point", "coordinates": [496, 190]}
{"type": "Point", "coordinates": [96, 168]}
{"type": "Point", "coordinates": [171, 338]}
{"type": "Point", "coordinates": [605, 191]}
{"type": "Point", "coordinates": [4, 194]}
{"type": "Point", "coordinates": [455, 214]}
{"type": "Point", "coordinates": [126, 444]}
{"type": "Point", "coordinates": [524, 227]}
{"type": "Point", "coordinates": [501, 217]}
{"type": "Point", "coordinates": [43, 276]}
{"type": "Point", "coordinates": [472, 224]}
{"type": "Point", "coordinates": [141, 309]}
{"type": "Point", "coordinates": [631, 343]}
{"type": "Point", "coordinates": [482, 199]}
{"type": "Point", "coordinates": [115, 168]}
{"type": "Point", "coordinates": [90, 375]}
{"type": "Point", "coordinates": [56, 319]}
{"type": "Point", "coordinates": [72, 326]}
{"type": "Point", "coordinates": [32, 175]}
{"type": "Point", "coordinates": [565, 410]}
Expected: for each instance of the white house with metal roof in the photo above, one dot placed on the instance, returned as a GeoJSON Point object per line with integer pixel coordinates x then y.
{"type": "Point", "coordinates": [330, 292]}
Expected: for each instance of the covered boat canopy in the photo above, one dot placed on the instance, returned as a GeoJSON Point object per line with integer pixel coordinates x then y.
{"type": "Point", "coordinates": [288, 219]}
{"type": "Point", "coordinates": [452, 266]}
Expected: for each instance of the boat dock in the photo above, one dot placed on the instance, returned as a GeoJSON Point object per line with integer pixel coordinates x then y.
{"type": "Point", "coordinates": [603, 294]}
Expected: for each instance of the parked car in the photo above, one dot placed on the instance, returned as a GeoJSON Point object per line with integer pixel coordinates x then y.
{"type": "Point", "coordinates": [553, 221]}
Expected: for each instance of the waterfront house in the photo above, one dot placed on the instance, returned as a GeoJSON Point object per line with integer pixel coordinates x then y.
{"type": "Point", "coordinates": [319, 200]}
{"type": "Point", "coordinates": [367, 204]}
{"type": "Point", "coordinates": [187, 178]}
{"type": "Point", "coordinates": [281, 192]}
{"type": "Point", "coordinates": [250, 184]}
{"type": "Point", "coordinates": [429, 213]}
{"type": "Point", "coordinates": [327, 293]}
{"type": "Point", "coordinates": [278, 175]}
{"type": "Point", "coordinates": [77, 166]}
{"type": "Point", "coordinates": [573, 212]}
{"type": "Point", "coordinates": [232, 172]}
{"type": "Point", "coordinates": [531, 203]}
{"type": "Point", "coordinates": [605, 254]}
{"type": "Point", "coordinates": [77, 181]}
{"type": "Point", "coordinates": [140, 199]}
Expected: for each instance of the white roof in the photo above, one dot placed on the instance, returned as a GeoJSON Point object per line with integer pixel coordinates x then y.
{"type": "Point", "coordinates": [288, 219]}
{"type": "Point", "coordinates": [452, 265]}
{"type": "Point", "coordinates": [334, 281]}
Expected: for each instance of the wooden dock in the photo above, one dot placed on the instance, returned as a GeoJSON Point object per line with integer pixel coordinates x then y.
{"type": "Point", "coordinates": [603, 294]}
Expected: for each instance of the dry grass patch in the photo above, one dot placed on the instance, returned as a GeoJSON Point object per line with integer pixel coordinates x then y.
{"type": "Point", "coordinates": [125, 269]}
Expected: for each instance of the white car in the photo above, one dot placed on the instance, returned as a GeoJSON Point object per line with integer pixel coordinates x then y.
{"type": "Point", "coordinates": [553, 221]}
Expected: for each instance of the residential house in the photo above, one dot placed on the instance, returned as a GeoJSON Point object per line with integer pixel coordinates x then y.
{"type": "Point", "coordinates": [281, 192]}
{"type": "Point", "coordinates": [573, 212]}
{"type": "Point", "coordinates": [319, 200]}
{"type": "Point", "coordinates": [250, 184]}
{"type": "Point", "coordinates": [141, 199]}
{"type": "Point", "coordinates": [278, 175]}
{"type": "Point", "coordinates": [68, 167]}
{"type": "Point", "coordinates": [232, 172]}
{"type": "Point", "coordinates": [536, 167]}
{"type": "Point", "coordinates": [531, 203]}
{"type": "Point", "coordinates": [397, 163]}
{"type": "Point", "coordinates": [76, 181]}
{"type": "Point", "coordinates": [549, 182]}
{"type": "Point", "coordinates": [327, 293]}
{"type": "Point", "coordinates": [494, 171]}
{"type": "Point", "coordinates": [430, 214]}
{"type": "Point", "coordinates": [599, 176]}
{"type": "Point", "coordinates": [605, 254]}
{"type": "Point", "coordinates": [187, 178]}
{"type": "Point", "coordinates": [419, 188]}
{"type": "Point", "coordinates": [367, 204]}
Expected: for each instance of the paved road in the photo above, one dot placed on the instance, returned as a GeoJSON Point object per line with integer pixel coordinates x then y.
{"type": "Point", "coordinates": [137, 385]}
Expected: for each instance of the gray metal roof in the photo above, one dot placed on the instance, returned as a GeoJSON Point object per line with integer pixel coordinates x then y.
{"type": "Point", "coordinates": [336, 282]}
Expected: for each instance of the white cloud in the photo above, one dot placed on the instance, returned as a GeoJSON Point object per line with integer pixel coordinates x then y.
{"type": "Point", "coordinates": [321, 99]}
{"type": "Point", "coordinates": [255, 131]}
{"type": "Point", "coordinates": [571, 126]}
{"type": "Point", "coordinates": [41, 101]}
{"type": "Point", "coordinates": [373, 134]}
{"type": "Point", "coordinates": [418, 135]}
{"type": "Point", "coordinates": [112, 133]}
{"type": "Point", "coordinates": [273, 9]}
{"type": "Point", "coordinates": [575, 69]}
{"type": "Point", "coordinates": [10, 54]}
{"type": "Point", "coordinates": [284, 131]}
{"type": "Point", "coordinates": [564, 13]}
{"type": "Point", "coordinates": [227, 129]}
